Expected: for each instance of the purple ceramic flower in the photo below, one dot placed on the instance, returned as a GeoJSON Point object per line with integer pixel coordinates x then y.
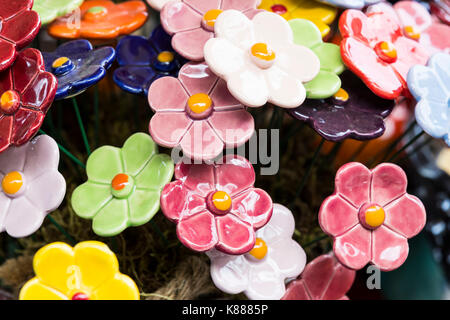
{"type": "Point", "coordinates": [353, 112]}
{"type": "Point", "coordinates": [31, 185]}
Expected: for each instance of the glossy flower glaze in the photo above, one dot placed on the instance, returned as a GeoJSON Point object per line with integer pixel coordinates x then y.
{"type": "Point", "coordinates": [370, 216]}
{"type": "Point", "coordinates": [262, 272]}
{"type": "Point", "coordinates": [26, 93]}
{"type": "Point", "coordinates": [124, 185]}
{"type": "Point", "coordinates": [350, 4]}
{"type": "Point", "coordinates": [430, 85]}
{"type": "Point", "coordinates": [31, 186]}
{"type": "Point", "coordinates": [259, 59]}
{"type": "Point", "coordinates": [159, 4]}
{"type": "Point", "coordinates": [324, 278]}
{"type": "Point", "coordinates": [77, 66]}
{"type": "Point", "coordinates": [88, 271]}
{"type": "Point", "coordinates": [49, 10]}
{"type": "Point", "coordinates": [18, 27]}
{"type": "Point", "coordinates": [100, 19]}
{"type": "Point", "coordinates": [216, 205]}
{"type": "Point", "coordinates": [202, 128]}
{"type": "Point", "coordinates": [375, 49]}
{"type": "Point", "coordinates": [441, 8]}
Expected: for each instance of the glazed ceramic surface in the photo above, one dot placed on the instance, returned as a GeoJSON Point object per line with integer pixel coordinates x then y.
{"type": "Point", "coordinates": [77, 66]}
{"type": "Point", "coordinates": [262, 272]}
{"type": "Point", "coordinates": [430, 85]}
{"type": "Point", "coordinates": [441, 8]}
{"type": "Point", "coordinates": [370, 216]}
{"type": "Point", "coordinates": [191, 22]}
{"type": "Point", "coordinates": [197, 113]}
{"type": "Point", "coordinates": [49, 10]}
{"type": "Point", "coordinates": [88, 271]}
{"type": "Point", "coordinates": [26, 93]}
{"type": "Point", "coordinates": [259, 59]}
{"type": "Point", "coordinates": [31, 186]}
{"type": "Point", "coordinates": [100, 19]}
{"type": "Point", "coordinates": [375, 49]}
{"type": "Point", "coordinates": [324, 278]}
{"type": "Point", "coordinates": [142, 61]}
{"type": "Point", "coordinates": [124, 185]}
{"type": "Point", "coordinates": [353, 112]}
{"type": "Point", "coordinates": [18, 27]}
{"type": "Point", "coordinates": [159, 4]}
{"type": "Point", "coordinates": [350, 4]}
{"type": "Point", "coordinates": [216, 205]}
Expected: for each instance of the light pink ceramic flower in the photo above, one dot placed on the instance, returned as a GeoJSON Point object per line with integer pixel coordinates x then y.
{"type": "Point", "coordinates": [261, 273]}
{"type": "Point", "coordinates": [31, 186]}
{"type": "Point", "coordinates": [197, 113]}
{"type": "Point", "coordinates": [370, 216]}
{"type": "Point", "coordinates": [191, 22]}
{"type": "Point", "coordinates": [216, 205]}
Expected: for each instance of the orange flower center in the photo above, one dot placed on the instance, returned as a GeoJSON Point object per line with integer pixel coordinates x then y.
{"type": "Point", "coordinates": [374, 216]}
{"type": "Point", "coordinates": [199, 103]}
{"type": "Point", "coordinates": [221, 200]}
{"type": "Point", "coordinates": [386, 51]}
{"type": "Point", "coordinates": [166, 57]}
{"type": "Point", "coordinates": [341, 95]}
{"type": "Point", "coordinates": [120, 181]}
{"type": "Point", "coordinates": [210, 17]}
{"type": "Point", "coordinates": [278, 9]}
{"type": "Point", "coordinates": [95, 13]}
{"type": "Point", "coordinates": [9, 101]}
{"type": "Point", "coordinates": [12, 182]}
{"type": "Point", "coordinates": [411, 33]}
{"type": "Point", "coordinates": [263, 52]}
{"type": "Point", "coordinates": [259, 251]}
{"type": "Point", "coordinates": [59, 62]}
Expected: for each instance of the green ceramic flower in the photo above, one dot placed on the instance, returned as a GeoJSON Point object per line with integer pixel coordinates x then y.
{"type": "Point", "coordinates": [327, 82]}
{"type": "Point", "coordinates": [123, 186]}
{"type": "Point", "coordinates": [49, 10]}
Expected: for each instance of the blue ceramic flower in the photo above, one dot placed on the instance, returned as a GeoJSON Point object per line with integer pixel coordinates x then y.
{"type": "Point", "coordinates": [143, 60]}
{"type": "Point", "coordinates": [77, 66]}
{"type": "Point", "coordinates": [350, 4]}
{"type": "Point", "coordinates": [430, 85]}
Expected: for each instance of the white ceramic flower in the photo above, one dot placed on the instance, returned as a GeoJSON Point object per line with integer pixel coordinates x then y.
{"type": "Point", "coordinates": [259, 60]}
{"type": "Point", "coordinates": [158, 4]}
{"type": "Point", "coordinates": [262, 273]}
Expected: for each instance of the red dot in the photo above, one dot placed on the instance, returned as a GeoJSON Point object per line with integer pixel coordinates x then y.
{"type": "Point", "coordinates": [80, 296]}
{"type": "Point", "coordinates": [279, 9]}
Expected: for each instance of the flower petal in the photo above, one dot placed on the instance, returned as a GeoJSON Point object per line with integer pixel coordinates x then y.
{"type": "Point", "coordinates": [19, 154]}
{"type": "Point", "coordinates": [298, 61]}
{"type": "Point", "coordinates": [281, 224]}
{"type": "Point", "coordinates": [305, 33]}
{"type": "Point", "coordinates": [234, 235]}
{"type": "Point", "coordinates": [197, 177]}
{"type": "Point", "coordinates": [285, 90]}
{"type": "Point", "coordinates": [23, 218]}
{"type": "Point", "coordinates": [230, 273]}
{"type": "Point", "coordinates": [156, 173]}
{"type": "Point", "coordinates": [336, 216]}
{"type": "Point", "coordinates": [28, 63]}
{"type": "Point", "coordinates": [296, 290]}
{"type": "Point", "coordinates": [26, 124]}
{"type": "Point", "coordinates": [324, 85]}
{"type": "Point", "coordinates": [177, 16]}
{"type": "Point", "coordinates": [406, 216]}
{"type": "Point", "coordinates": [22, 28]}
{"type": "Point", "coordinates": [197, 78]}
{"type": "Point", "coordinates": [47, 191]}
{"type": "Point", "coordinates": [239, 5]}
{"type": "Point", "coordinates": [143, 206]}
{"type": "Point", "coordinates": [135, 80]}
{"type": "Point", "coordinates": [424, 83]}
{"type": "Point", "coordinates": [112, 219]}
{"type": "Point", "coordinates": [190, 43]}
{"type": "Point", "coordinates": [389, 182]}
{"type": "Point", "coordinates": [6, 127]}
{"type": "Point", "coordinates": [198, 232]}
{"type": "Point", "coordinates": [353, 248]}
{"type": "Point", "coordinates": [35, 290]}
{"type": "Point", "coordinates": [5, 202]}
{"type": "Point", "coordinates": [235, 27]}
{"type": "Point", "coordinates": [8, 54]}
{"type": "Point", "coordinates": [353, 183]}
{"type": "Point", "coordinates": [89, 198]}
{"type": "Point", "coordinates": [433, 117]}
{"type": "Point", "coordinates": [135, 50]}
{"type": "Point", "coordinates": [137, 151]}
{"type": "Point", "coordinates": [289, 256]}
{"type": "Point", "coordinates": [413, 14]}
{"type": "Point", "coordinates": [167, 94]}
{"type": "Point", "coordinates": [42, 156]}
{"type": "Point", "coordinates": [265, 283]}
{"type": "Point", "coordinates": [201, 142]}
{"type": "Point", "coordinates": [389, 249]}
{"type": "Point", "coordinates": [10, 9]}
{"type": "Point", "coordinates": [223, 57]}
{"type": "Point", "coordinates": [203, 6]}
{"type": "Point", "coordinates": [272, 29]}
{"type": "Point", "coordinates": [253, 206]}
{"type": "Point", "coordinates": [329, 55]}
{"type": "Point", "coordinates": [440, 63]}
{"type": "Point", "coordinates": [120, 287]}
{"type": "Point", "coordinates": [233, 127]}
{"type": "Point", "coordinates": [104, 164]}
{"type": "Point", "coordinates": [410, 53]}
{"type": "Point", "coordinates": [168, 128]}
{"type": "Point", "coordinates": [222, 98]}
{"type": "Point", "coordinates": [235, 174]}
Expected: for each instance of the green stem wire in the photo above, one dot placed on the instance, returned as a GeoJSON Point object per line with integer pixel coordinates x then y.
{"type": "Point", "coordinates": [308, 244]}
{"type": "Point", "coordinates": [62, 230]}
{"type": "Point", "coordinates": [359, 151]}
{"type": "Point", "coordinates": [309, 170]}
{"type": "Point", "coordinates": [417, 136]}
{"type": "Point", "coordinates": [417, 148]}
{"type": "Point", "coordinates": [80, 123]}
{"type": "Point", "coordinates": [159, 232]}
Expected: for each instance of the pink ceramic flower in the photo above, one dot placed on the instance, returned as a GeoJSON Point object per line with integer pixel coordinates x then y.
{"type": "Point", "coordinates": [216, 205]}
{"type": "Point", "coordinates": [370, 216]}
{"type": "Point", "coordinates": [197, 113]}
{"type": "Point", "coordinates": [191, 22]}
{"type": "Point", "coordinates": [261, 273]}
{"type": "Point", "coordinates": [324, 278]}
{"type": "Point", "coordinates": [31, 185]}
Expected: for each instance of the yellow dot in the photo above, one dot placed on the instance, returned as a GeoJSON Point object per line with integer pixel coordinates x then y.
{"type": "Point", "coordinates": [388, 49]}
{"type": "Point", "coordinates": [221, 200]}
{"type": "Point", "coordinates": [263, 52]}
{"type": "Point", "coordinates": [166, 56]}
{"type": "Point", "coordinates": [12, 182]}
{"type": "Point", "coordinates": [412, 33]}
{"type": "Point", "coordinates": [8, 100]}
{"type": "Point", "coordinates": [341, 95]}
{"type": "Point", "coordinates": [374, 216]}
{"type": "Point", "coordinates": [210, 17]}
{"type": "Point", "coordinates": [259, 251]}
{"type": "Point", "coordinates": [59, 62]}
{"type": "Point", "coordinates": [199, 103]}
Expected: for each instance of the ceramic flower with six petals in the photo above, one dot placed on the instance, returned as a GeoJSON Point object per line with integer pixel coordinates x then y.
{"type": "Point", "coordinates": [49, 10]}
{"type": "Point", "coordinates": [259, 60]}
{"type": "Point", "coordinates": [370, 216]}
{"type": "Point", "coordinates": [124, 185]}
{"type": "Point", "coordinates": [216, 205]}
{"type": "Point", "coordinates": [262, 272]}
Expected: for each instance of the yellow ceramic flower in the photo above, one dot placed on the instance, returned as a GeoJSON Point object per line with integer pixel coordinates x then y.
{"type": "Point", "coordinates": [321, 14]}
{"type": "Point", "coordinates": [88, 271]}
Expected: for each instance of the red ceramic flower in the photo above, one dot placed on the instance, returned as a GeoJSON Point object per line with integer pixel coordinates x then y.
{"type": "Point", "coordinates": [18, 27]}
{"type": "Point", "coordinates": [26, 93]}
{"type": "Point", "coordinates": [375, 49]}
{"type": "Point", "coordinates": [370, 216]}
{"type": "Point", "coordinates": [324, 278]}
{"type": "Point", "coordinates": [216, 205]}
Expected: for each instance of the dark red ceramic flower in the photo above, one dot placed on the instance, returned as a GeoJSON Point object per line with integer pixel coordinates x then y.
{"type": "Point", "coordinates": [26, 93]}
{"type": "Point", "coordinates": [18, 27]}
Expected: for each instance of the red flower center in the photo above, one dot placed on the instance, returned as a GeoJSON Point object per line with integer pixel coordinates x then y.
{"type": "Point", "coordinates": [9, 102]}
{"type": "Point", "coordinates": [80, 296]}
{"type": "Point", "coordinates": [279, 9]}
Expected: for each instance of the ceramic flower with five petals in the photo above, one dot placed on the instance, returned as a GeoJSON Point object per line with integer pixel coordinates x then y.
{"type": "Point", "coordinates": [259, 60]}
{"type": "Point", "coordinates": [262, 272]}
{"type": "Point", "coordinates": [49, 10]}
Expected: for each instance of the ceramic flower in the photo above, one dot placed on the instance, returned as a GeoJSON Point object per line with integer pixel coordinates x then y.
{"type": "Point", "coordinates": [262, 272]}
{"type": "Point", "coordinates": [259, 59]}
{"type": "Point", "coordinates": [100, 19]}
{"type": "Point", "coordinates": [321, 14]}
{"type": "Point", "coordinates": [370, 216]}
{"type": "Point", "coordinates": [324, 278]}
{"type": "Point", "coordinates": [31, 186]}
{"type": "Point", "coordinates": [197, 113]}
{"type": "Point", "coordinates": [88, 271]}
{"type": "Point", "coordinates": [49, 10]}
{"type": "Point", "coordinates": [26, 93]}
{"type": "Point", "coordinates": [124, 185]}
{"type": "Point", "coordinates": [18, 27]}
{"type": "Point", "coordinates": [216, 205]}
{"type": "Point", "coordinates": [142, 61]}
{"type": "Point", "coordinates": [327, 81]}
{"type": "Point", "coordinates": [159, 4]}
{"type": "Point", "coordinates": [353, 112]}
{"type": "Point", "coordinates": [441, 8]}
{"type": "Point", "coordinates": [430, 85]}
{"type": "Point", "coordinates": [191, 22]}
{"type": "Point", "coordinates": [77, 66]}
{"type": "Point", "coordinates": [375, 49]}
{"type": "Point", "coordinates": [350, 4]}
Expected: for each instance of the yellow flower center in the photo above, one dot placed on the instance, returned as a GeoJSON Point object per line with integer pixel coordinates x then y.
{"type": "Point", "coordinates": [12, 182]}
{"type": "Point", "coordinates": [199, 103]}
{"type": "Point", "coordinates": [9, 101]}
{"type": "Point", "coordinates": [259, 251]}
{"type": "Point", "coordinates": [341, 95]}
{"type": "Point", "coordinates": [386, 51]}
{"type": "Point", "coordinates": [374, 216]}
{"type": "Point", "coordinates": [166, 57]}
{"type": "Point", "coordinates": [263, 52]}
{"type": "Point", "coordinates": [210, 17]}
{"type": "Point", "coordinates": [59, 62]}
{"type": "Point", "coordinates": [411, 33]}
{"type": "Point", "coordinates": [221, 200]}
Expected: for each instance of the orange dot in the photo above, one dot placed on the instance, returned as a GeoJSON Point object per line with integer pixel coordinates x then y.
{"type": "Point", "coordinates": [12, 182]}
{"type": "Point", "coordinates": [210, 17]}
{"type": "Point", "coordinates": [165, 57]}
{"type": "Point", "coordinates": [411, 33]}
{"type": "Point", "coordinates": [199, 102]}
{"type": "Point", "coordinates": [120, 181]}
{"type": "Point", "coordinates": [59, 62]}
{"type": "Point", "coordinates": [263, 52]}
{"type": "Point", "coordinates": [374, 216]}
{"type": "Point", "coordinates": [386, 51]}
{"type": "Point", "coordinates": [9, 100]}
{"type": "Point", "coordinates": [221, 200]}
{"type": "Point", "coordinates": [341, 95]}
{"type": "Point", "coordinates": [259, 251]}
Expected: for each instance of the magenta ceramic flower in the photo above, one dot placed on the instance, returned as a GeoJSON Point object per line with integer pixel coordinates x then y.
{"type": "Point", "coordinates": [370, 216]}
{"type": "Point", "coordinates": [216, 205]}
{"type": "Point", "coordinates": [191, 22]}
{"type": "Point", "coordinates": [262, 272]}
{"type": "Point", "coordinates": [31, 185]}
{"type": "Point", "coordinates": [197, 113]}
